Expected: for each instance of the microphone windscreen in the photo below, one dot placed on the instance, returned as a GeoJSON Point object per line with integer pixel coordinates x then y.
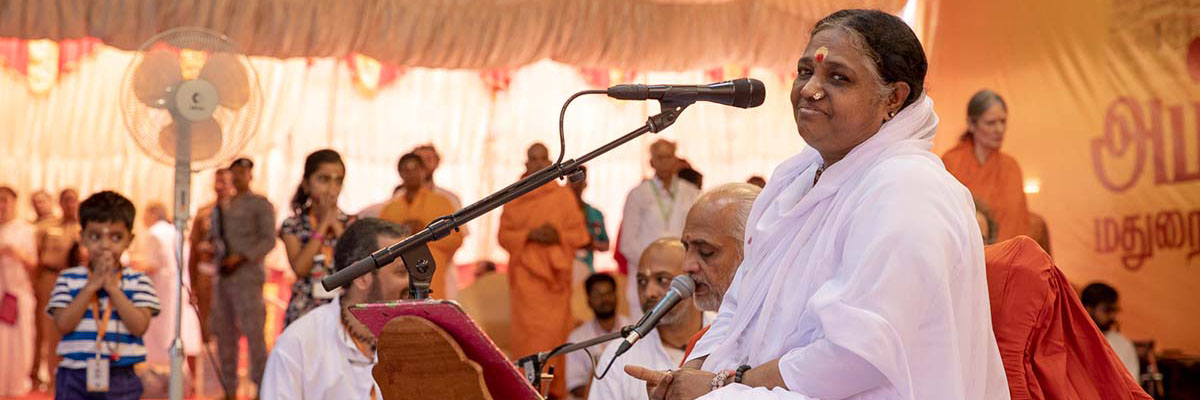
{"type": "Point", "coordinates": [684, 285]}
{"type": "Point", "coordinates": [748, 93]}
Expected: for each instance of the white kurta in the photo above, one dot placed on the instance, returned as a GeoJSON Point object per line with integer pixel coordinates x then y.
{"type": "Point", "coordinates": [16, 341]}
{"type": "Point", "coordinates": [1125, 351]}
{"type": "Point", "coordinates": [579, 365]}
{"type": "Point", "coordinates": [315, 359]}
{"type": "Point", "coordinates": [648, 352]}
{"type": "Point", "coordinates": [158, 249]}
{"type": "Point", "coordinates": [879, 265]}
{"type": "Point", "coordinates": [651, 212]}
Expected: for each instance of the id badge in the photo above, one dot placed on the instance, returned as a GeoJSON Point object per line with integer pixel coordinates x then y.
{"type": "Point", "coordinates": [97, 375]}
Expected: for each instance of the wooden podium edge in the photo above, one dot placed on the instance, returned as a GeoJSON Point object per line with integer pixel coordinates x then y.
{"type": "Point", "coordinates": [420, 360]}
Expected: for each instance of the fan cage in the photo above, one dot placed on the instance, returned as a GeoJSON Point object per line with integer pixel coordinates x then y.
{"type": "Point", "coordinates": [145, 122]}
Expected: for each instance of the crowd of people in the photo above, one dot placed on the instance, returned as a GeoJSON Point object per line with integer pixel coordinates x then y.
{"type": "Point", "coordinates": [797, 277]}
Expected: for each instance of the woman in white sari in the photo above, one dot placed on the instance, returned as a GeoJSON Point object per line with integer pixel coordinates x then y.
{"type": "Point", "coordinates": [864, 272]}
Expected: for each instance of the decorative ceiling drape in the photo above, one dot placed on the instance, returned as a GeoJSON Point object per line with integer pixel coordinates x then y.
{"type": "Point", "coordinates": [670, 35]}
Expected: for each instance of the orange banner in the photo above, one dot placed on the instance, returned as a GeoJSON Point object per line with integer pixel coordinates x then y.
{"type": "Point", "coordinates": [1104, 119]}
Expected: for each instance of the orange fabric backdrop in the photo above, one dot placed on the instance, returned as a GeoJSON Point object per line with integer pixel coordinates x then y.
{"type": "Point", "coordinates": [1104, 114]}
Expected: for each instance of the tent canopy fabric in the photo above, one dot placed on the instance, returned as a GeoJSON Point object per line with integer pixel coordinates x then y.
{"type": "Point", "coordinates": [640, 34]}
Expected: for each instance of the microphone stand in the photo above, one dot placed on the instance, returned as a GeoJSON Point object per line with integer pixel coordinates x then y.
{"type": "Point", "coordinates": [414, 250]}
{"type": "Point", "coordinates": [532, 364]}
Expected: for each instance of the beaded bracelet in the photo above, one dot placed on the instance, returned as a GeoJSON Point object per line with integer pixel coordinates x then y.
{"type": "Point", "coordinates": [719, 380]}
{"type": "Point", "coordinates": [740, 373]}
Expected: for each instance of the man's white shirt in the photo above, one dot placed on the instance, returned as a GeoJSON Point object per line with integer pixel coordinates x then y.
{"type": "Point", "coordinates": [1125, 351]}
{"type": "Point", "coordinates": [648, 352]}
{"type": "Point", "coordinates": [652, 211]}
{"type": "Point", "coordinates": [315, 358]}
{"type": "Point", "coordinates": [579, 365]}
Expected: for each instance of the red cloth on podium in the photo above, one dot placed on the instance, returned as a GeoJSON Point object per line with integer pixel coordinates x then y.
{"type": "Point", "coordinates": [1050, 347]}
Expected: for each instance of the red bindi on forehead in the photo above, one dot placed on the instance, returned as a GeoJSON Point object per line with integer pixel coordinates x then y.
{"type": "Point", "coordinates": [819, 56]}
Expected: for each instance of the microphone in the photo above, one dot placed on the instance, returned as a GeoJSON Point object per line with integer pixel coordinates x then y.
{"type": "Point", "coordinates": [742, 93]}
{"type": "Point", "coordinates": [681, 289]}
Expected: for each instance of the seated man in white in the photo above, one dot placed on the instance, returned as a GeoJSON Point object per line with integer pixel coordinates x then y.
{"type": "Point", "coordinates": [663, 347]}
{"type": "Point", "coordinates": [602, 292]}
{"type": "Point", "coordinates": [1100, 300]}
{"type": "Point", "coordinates": [327, 353]}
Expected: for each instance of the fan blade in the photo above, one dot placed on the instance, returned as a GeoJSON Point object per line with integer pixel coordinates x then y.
{"type": "Point", "coordinates": [226, 72]}
{"type": "Point", "coordinates": [206, 139]}
{"type": "Point", "coordinates": [154, 77]}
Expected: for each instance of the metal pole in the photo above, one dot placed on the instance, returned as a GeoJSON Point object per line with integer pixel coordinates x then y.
{"type": "Point", "coordinates": [183, 182]}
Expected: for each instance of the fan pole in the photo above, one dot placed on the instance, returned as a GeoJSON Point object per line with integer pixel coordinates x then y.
{"type": "Point", "coordinates": [183, 185]}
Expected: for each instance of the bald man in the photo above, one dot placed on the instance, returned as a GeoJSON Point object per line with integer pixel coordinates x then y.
{"type": "Point", "coordinates": [654, 209]}
{"type": "Point", "coordinates": [663, 347]}
{"type": "Point", "coordinates": [541, 231]}
{"type": "Point", "coordinates": [713, 237]}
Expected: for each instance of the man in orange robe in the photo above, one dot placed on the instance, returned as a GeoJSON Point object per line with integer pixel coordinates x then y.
{"type": "Point", "coordinates": [995, 179]}
{"type": "Point", "coordinates": [417, 207]}
{"type": "Point", "coordinates": [541, 231]}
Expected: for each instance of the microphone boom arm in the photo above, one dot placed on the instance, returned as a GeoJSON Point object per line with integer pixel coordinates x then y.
{"type": "Point", "coordinates": [414, 250]}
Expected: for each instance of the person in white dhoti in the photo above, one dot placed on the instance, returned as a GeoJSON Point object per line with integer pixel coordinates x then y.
{"type": "Point", "coordinates": [655, 208]}
{"type": "Point", "coordinates": [864, 273]}
{"type": "Point", "coordinates": [663, 347]}
{"type": "Point", "coordinates": [156, 258]}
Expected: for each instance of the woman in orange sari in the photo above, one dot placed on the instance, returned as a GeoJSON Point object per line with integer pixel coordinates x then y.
{"type": "Point", "coordinates": [992, 176]}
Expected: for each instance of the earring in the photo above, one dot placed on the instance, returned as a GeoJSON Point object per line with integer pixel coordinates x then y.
{"type": "Point", "coordinates": [818, 96]}
{"type": "Point", "coordinates": [891, 114]}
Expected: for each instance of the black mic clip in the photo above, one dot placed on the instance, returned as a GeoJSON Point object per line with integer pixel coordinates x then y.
{"type": "Point", "coordinates": [531, 365]}
{"type": "Point", "coordinates": [670, 110]}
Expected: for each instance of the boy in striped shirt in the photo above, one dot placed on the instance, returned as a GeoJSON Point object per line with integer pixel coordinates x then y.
{"type": "Point", "coordinates": [102, 309]}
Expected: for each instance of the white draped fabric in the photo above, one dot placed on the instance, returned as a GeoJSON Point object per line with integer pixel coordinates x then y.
{"type": "Point", "coordinates": [74, 136]}
{"type": "Point", "coordinates": [838, 267]}
{"type": "Point", "coordinates": [156, 250]}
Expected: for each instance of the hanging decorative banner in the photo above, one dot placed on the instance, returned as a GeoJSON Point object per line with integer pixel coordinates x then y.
{"type": "Point", "coordinates": [496, 80]}
{"type": "Point", "coordinates": [595, 78]}
{"type": "Point", "coordinates": [602, 78]}
{"type": "Point", "coordinates": [370, 75]}
{"type": "Point", "coordinates": [44, 62]}
{"type": "Point", "coordinates": [727, 72]}
{"type": "Point", "coordinates": [42, 70]}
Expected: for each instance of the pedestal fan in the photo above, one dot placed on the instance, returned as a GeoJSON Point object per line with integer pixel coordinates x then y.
{"type": "Point", "coordinates": [190, 99]}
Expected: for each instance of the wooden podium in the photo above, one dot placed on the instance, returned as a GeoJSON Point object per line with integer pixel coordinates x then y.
{"type": "Point", "coordinates": [432, 350]}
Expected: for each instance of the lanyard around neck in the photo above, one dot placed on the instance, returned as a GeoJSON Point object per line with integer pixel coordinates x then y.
{"type": "Point", "coordinates": [102, 325]}
{"type": "Point", "coordinates": [665, 210]}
